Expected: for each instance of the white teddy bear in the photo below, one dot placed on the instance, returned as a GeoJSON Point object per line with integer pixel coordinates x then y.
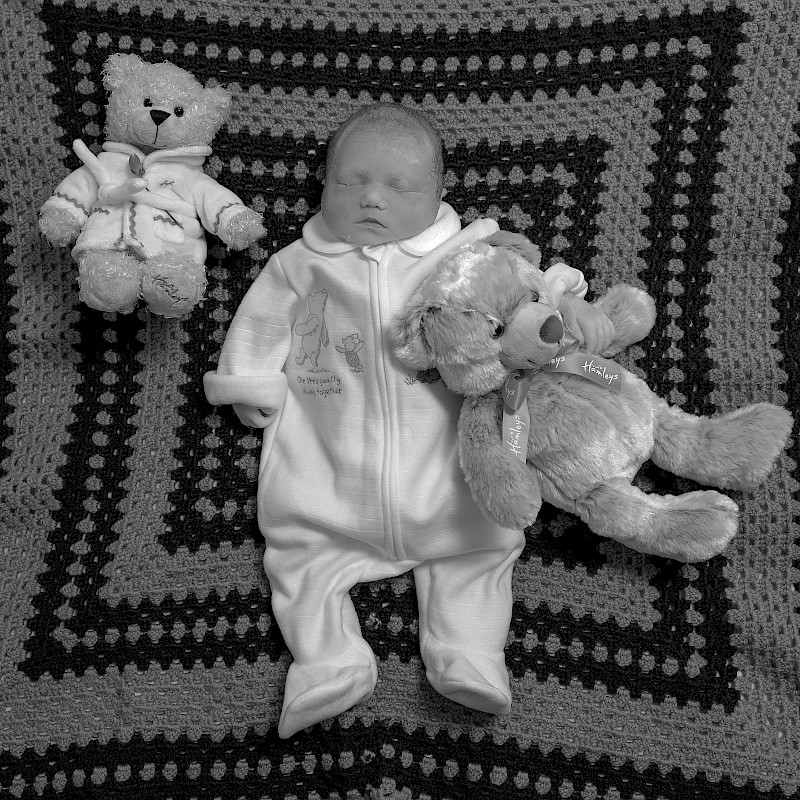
{"type": "Point", "coordinates": [138, 209]}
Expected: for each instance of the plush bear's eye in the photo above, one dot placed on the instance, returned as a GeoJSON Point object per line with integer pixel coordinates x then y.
{"type": "Point", "coordinates": [147, 102]}
{"type": "Point", "coordinates": [534, 296]}
{"type": "Point", "coordinates": [498, 328]}
{"type": "Point", "coordinates": [178, 111]}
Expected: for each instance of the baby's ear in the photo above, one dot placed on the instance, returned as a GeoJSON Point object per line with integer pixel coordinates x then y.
{"type": "Point", "coordinates": [408, 334]}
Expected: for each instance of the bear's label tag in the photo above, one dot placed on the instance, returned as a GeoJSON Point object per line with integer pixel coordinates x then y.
{"type": "Point", "coordinates": [516, 417]}
{"type": "Point", "coordinates": [516, 388]}
{"type": "Point", "coordinates": [135, 165]}
{"type": "Point", "coordinates": [516, 426]}
{"type": "Point", "coordinates": [599, 370]}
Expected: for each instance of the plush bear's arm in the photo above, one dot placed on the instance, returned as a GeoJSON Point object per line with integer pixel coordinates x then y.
{"type": "Point", "coordinates": [505, 488]}
{"type": "Point", "coordinates": [65, 212]}
{"type": "Point", "coordinates": [566, 281]}
{"type": "Point", "coordinates": [224, 214]}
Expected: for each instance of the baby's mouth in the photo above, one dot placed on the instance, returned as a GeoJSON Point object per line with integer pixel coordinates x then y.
{"type": "Point", "coordinates": [371, 221]}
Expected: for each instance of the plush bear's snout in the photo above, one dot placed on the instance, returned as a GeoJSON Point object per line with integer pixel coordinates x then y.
{"type": "Point", "coordinates": [552, 330]}
{"type": "Point", "coordinates": [159, 116]}
{"type": "Point", "coordinates": [531, 337]}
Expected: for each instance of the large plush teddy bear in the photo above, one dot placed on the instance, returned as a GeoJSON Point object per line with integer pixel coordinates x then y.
{"type": "Point", "coordinates": [485, 320]}
{"type": "Point", "coordinates": [138, 209]}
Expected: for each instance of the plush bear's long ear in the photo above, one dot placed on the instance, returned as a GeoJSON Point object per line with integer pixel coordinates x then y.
{"type": "Point", "coordinates": [120, 68]}
{"type": "Point", "coordinates": [518, 244]}
{"type": "Point", "coordinates": [408, 336]}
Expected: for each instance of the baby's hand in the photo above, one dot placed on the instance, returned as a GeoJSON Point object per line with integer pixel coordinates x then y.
{"type": "Point", "coordinates": [254, 417]}
{"type": "Point", "coordinates": [596, 329]}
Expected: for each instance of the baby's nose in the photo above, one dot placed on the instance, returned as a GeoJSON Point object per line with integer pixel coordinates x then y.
{"type": "Point", "coordinates": [373, 196]}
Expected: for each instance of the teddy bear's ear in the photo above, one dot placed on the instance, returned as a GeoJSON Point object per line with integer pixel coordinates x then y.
{"type": "Point", "coordinates": [219, 99]}
{"type": "Point", "coordinates": [516, 243]}
{"type": "Point", "coordinates": [120, 68]}
{"type": "Point", "coordinates": [408, 333]}
{"type": "Point", "coordinates": [213, 109]}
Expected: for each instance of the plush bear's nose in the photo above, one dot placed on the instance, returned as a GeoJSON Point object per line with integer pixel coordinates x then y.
{"type": "Point", "coordinates": [159, 116]}
{"type": "Point", "coordinates": [552, 330]}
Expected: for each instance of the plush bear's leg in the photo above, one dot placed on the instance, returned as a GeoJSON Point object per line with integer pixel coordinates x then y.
{"type": "Point", "coordinates": [310, 574]}
{"type": "Point", "coordinates": [690, 527]}
{"type": "Point", "coordinates": [733, 451]}
{"type": "Point", "coordinates": [464, 614]}
{"type": "Point", "coordinates": [173, 283]}
{"type": "Point", "coordinates": [109, 280]}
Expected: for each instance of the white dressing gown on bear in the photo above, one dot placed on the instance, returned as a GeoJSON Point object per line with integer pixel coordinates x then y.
{"type": "Point", "coordinates": [165, 216]}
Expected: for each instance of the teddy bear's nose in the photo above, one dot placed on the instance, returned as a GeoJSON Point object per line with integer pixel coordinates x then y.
{"type": "Point", "coordinates": [159, 116]}
{"type": "Point", "coordinates": [552, 330]}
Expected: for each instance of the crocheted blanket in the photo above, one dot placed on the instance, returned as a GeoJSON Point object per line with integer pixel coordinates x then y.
{"type": "Point", "coordinates": [652, 141]}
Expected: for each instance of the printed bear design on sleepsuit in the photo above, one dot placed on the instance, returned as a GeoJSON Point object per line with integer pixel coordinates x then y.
{"type": "Point", "coordinates": [313, 332]}
{"type": "Point", "coordinates": [350, 346]}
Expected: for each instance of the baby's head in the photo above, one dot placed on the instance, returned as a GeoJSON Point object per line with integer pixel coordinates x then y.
{"type": "Point", "coordinates": [383, 175]}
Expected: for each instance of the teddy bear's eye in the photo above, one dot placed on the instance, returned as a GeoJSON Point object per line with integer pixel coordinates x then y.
{"type": "Point", "coordinates": [178, 111]}
{"type": "Point", "coordinates": [147, 102]}
{"type": "Point", "coordinates": [498, 328]}
{"type": "Point", "coordinates": [534, 296]}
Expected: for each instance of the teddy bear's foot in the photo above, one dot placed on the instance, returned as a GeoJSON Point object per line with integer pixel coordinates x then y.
{"type": "Point", "coordinates": [474, 680]}
{"type": "Point", "coordinates": [173, 283]}
{"type": "Point", "coordinates": [109, 280]}
{"type": "Point", "coordinates": [690, 527]}
{"type": "Point", "coordinates": [735, 450]}
{"type": "Point", "coordinates": [315, 692]}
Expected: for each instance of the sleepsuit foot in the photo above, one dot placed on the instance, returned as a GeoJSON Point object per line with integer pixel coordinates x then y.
{"type": "Point", "coordinates": [464, 612]}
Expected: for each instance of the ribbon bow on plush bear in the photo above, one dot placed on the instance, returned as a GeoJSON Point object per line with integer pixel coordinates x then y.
{"type": "Point", "coordinates": [585, 441]}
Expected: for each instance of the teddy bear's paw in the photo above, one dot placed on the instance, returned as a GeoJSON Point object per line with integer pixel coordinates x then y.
{"type": "Point", "coordinates": [109, 280]}
{"type": "Point", "coordinates": [173, 283]}
{"type": "Point", "coordinates": [516, 513]}
{"type": "Point", "coordinates": [59, 226]}
{"type": "Point", "coordinates": [243, 229]}
{"type": "Point", "coordinates": [512, 504]}
{"type": "Point", "coordinates": [633, 312]}
{"type": "Point", "coordinates": [694, 526]}
{"type": "Point", "coordinates": [742, 445]}
{"type": "Point", "coordinates": [734, 450]}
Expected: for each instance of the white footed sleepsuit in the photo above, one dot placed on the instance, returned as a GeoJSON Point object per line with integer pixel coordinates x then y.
{"type": "Point", "coordinates": [359, 477]}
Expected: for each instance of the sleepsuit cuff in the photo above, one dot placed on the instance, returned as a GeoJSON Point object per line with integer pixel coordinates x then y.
{"type": "Point", "coordinates": [259, 391]}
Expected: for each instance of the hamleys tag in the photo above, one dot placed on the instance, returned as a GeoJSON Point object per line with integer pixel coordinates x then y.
{"type": "Point", "coordinates": [516, 417]}
{"type": "Point", "coordinates": [515, 388]}
{"type": "Point", "coordinates": [599, 370]}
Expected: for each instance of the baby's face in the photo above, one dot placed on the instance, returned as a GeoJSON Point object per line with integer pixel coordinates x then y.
{"type": "Point", "coordinates": [381, 188]}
